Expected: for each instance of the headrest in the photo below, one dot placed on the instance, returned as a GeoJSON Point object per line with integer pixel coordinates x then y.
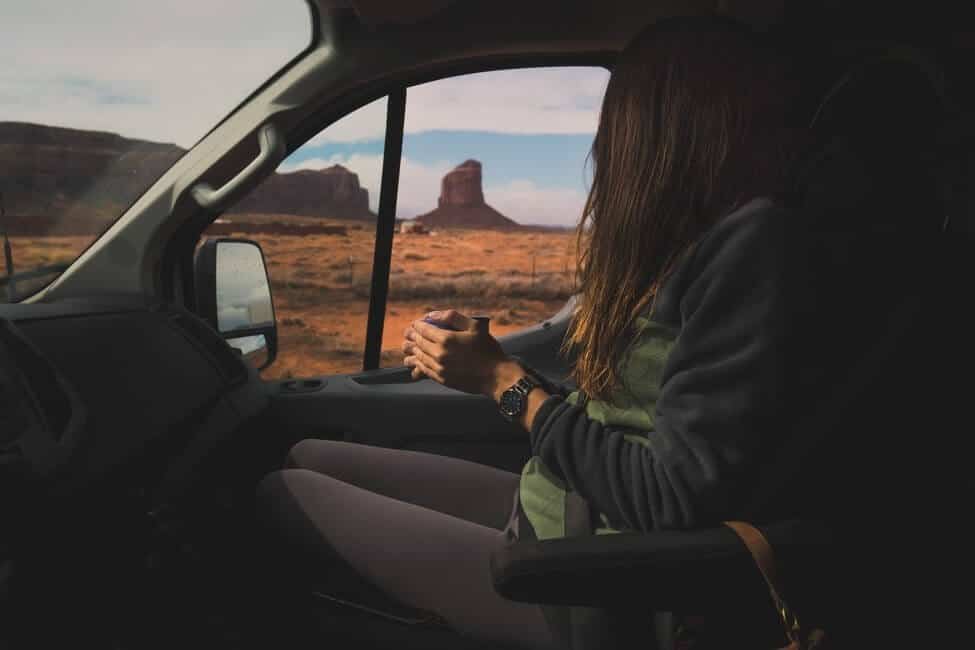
{"type": "Point", "coordinates": [956, 172]}
{"type": "Point", "coordinates": [874, 137]}
{"type": "Point", "coordinates": [895, 96]}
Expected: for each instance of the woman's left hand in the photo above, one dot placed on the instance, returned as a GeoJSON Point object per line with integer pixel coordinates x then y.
{"type": "Point", "coordinates": [467, 360]}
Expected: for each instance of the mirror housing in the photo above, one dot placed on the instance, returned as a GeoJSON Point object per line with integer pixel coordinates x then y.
{"type": "Point", "coordinates": [233, 294]}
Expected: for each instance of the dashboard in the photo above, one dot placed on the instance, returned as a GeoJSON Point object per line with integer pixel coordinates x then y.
{"type": "Point", "coordinates": [127, 390]}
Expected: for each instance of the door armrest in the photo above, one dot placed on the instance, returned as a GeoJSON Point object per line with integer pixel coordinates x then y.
{"type": "Point", "coordinates": [689, 571]}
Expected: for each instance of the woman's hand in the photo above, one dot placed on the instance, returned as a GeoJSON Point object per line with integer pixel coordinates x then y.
{"type": "Point", "coordinates": [467, 360]}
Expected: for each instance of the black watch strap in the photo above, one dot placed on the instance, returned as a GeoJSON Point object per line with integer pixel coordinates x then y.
{"type": "Point", "coordinates": [515, 399]}
{"type": "Point", "coordinates": [526, 384]}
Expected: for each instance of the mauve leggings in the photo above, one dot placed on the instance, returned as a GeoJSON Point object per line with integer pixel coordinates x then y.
{"type": "Point", "coordinates": [421, 527]}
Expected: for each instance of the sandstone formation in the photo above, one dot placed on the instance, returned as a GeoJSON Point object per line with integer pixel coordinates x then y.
{"type": "Point", "coordinates": [461, 203]}
{"type": "Point", "coordinates": [75, 180]}
{"type": "Point", "coordinates": [330, 192]}
{"type": "Point", "coordinates": [462, 185]}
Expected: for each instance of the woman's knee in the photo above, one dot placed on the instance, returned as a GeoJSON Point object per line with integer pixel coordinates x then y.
{"type": "Point", "coordinates": [310, 453]}
{"type": "Point", "coordinates": [298, 503]}
{"type": "Point", "coordinates": [273, 495]}
{"type": "Point", "coordinates": [347, 461]}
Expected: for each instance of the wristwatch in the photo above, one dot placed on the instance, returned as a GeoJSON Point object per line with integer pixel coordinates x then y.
{"type": "Point", "coordinates": [515, 399]}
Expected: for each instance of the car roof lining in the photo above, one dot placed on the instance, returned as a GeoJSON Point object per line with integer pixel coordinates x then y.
{"type": "Point", "coordinates": [569, 23]}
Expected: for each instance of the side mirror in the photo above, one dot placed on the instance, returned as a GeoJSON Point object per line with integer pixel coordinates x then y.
{"type": "Point", "coordinates": [233, 294]}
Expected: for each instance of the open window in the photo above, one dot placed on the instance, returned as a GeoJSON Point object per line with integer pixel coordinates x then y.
{"type": "Point", "coordinates": [460, 192]}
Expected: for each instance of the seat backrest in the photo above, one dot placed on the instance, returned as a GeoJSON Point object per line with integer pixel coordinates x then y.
{"type": "Point", "coordinates": [869, 199]}
{"type": "Point", "coordinates": [866, 454]}
{"type": "Point", "coordinates": [874, 137]}
{"type": "Point", "coordinates": [956, 171]}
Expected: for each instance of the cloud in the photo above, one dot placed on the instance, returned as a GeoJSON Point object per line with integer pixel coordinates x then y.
{"type": "Point", "coordinates": [530, 100]}
{"type": "Point", "coordinates": [527, 203]}
{"type": "Point", "coordinates": [170, 74]}
{"type": "Point", "coordinates": [533, 100]}
{"type": "Point", "coordinates": [365, 123]}
{"type": "Point", "coordinates": [163, 74]}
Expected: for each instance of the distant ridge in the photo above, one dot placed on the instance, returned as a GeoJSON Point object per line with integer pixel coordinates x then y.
{"type": "Point", "coordinates": [64, 180]}
{"type": "Point", "coordinates": [330, 192]}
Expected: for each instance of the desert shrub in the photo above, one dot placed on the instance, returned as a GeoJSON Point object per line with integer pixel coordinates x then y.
{"type": "Point", "coordinates": [502, 318]}
{"type": "Point", "coordinates": [285, 285]}
{"type": "Point", "coordinates": [362, 285]}
{"type": "Point", "coordinates": [480, 288]}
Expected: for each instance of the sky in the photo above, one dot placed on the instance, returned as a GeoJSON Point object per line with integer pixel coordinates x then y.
{"type": "Point", "coordinates": [162, 71]}
{"type": "Point", "coordinates": [169, 72]}
{"type": "Point", "coordinates": [531, 129]}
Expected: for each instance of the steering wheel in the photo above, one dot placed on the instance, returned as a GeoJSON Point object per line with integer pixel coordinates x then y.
{"type": "Point", "coordinates": [42, 417]}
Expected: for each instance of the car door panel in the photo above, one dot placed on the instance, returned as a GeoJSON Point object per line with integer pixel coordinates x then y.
{"type": "Point", "coordinates": [387, 408]}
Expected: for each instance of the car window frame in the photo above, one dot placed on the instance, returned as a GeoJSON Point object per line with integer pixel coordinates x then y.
{"type": "Point", "coordinates": [178, 259]}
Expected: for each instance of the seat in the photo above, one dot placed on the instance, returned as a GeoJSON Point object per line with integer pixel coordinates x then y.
{"type": "Point", "coordinates": [831, 562]}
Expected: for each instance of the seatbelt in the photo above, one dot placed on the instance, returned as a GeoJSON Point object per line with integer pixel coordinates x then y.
{"type": "Point", "coordinates": [761, 551]}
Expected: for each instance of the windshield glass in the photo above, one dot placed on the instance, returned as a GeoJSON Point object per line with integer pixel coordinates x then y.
{"type": "Point", "coordinates": [99, 98]}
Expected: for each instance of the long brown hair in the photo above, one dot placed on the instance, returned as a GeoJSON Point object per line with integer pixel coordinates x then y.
{"type": "Point", "coordinates": [691, 126]}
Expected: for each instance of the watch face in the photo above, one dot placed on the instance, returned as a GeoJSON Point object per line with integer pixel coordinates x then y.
{"type": "Point", "coordinates": [511, 402]}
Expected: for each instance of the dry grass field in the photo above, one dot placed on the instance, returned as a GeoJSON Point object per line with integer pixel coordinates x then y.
{"type": "Point", "coordinates": [31, 252]}
{"type": "Point", "coordinates": [320, 283]}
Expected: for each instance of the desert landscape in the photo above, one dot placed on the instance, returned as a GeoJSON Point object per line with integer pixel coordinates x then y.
{"type": "Point", "coordinates": [320, 284]}
{"type": "Point", "coordinates": [321, 299]}
{"type": "Point", "coordinates": [317, 232]}
{"type": "Point", "coordinates": [463, 254]}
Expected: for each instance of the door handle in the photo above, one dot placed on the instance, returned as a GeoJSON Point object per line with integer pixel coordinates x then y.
{"type": "Point", "coordinates": [272, 150]}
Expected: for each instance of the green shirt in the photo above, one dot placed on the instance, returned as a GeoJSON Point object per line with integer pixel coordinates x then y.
{"type": "Point", "coordinates": [543, 495]}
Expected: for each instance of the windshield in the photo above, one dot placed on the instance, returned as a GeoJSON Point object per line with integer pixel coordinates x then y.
{"type": "Point", "coordinates": [99, 98]}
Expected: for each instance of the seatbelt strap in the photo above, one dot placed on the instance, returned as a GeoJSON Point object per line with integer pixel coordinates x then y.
{"type": "Point", "coordinates": [761, 551]}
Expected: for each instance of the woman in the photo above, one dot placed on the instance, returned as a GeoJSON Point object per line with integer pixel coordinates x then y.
{"type": "Point", "coordinates": [678, 339]}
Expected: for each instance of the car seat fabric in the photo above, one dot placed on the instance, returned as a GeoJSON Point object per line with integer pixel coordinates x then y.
{"type": "Point", "coordinates": [869, 199]}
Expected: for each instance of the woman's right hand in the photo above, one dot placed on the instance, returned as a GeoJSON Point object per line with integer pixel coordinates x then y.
{"type": "Point", "coordinates": [461, 357]}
